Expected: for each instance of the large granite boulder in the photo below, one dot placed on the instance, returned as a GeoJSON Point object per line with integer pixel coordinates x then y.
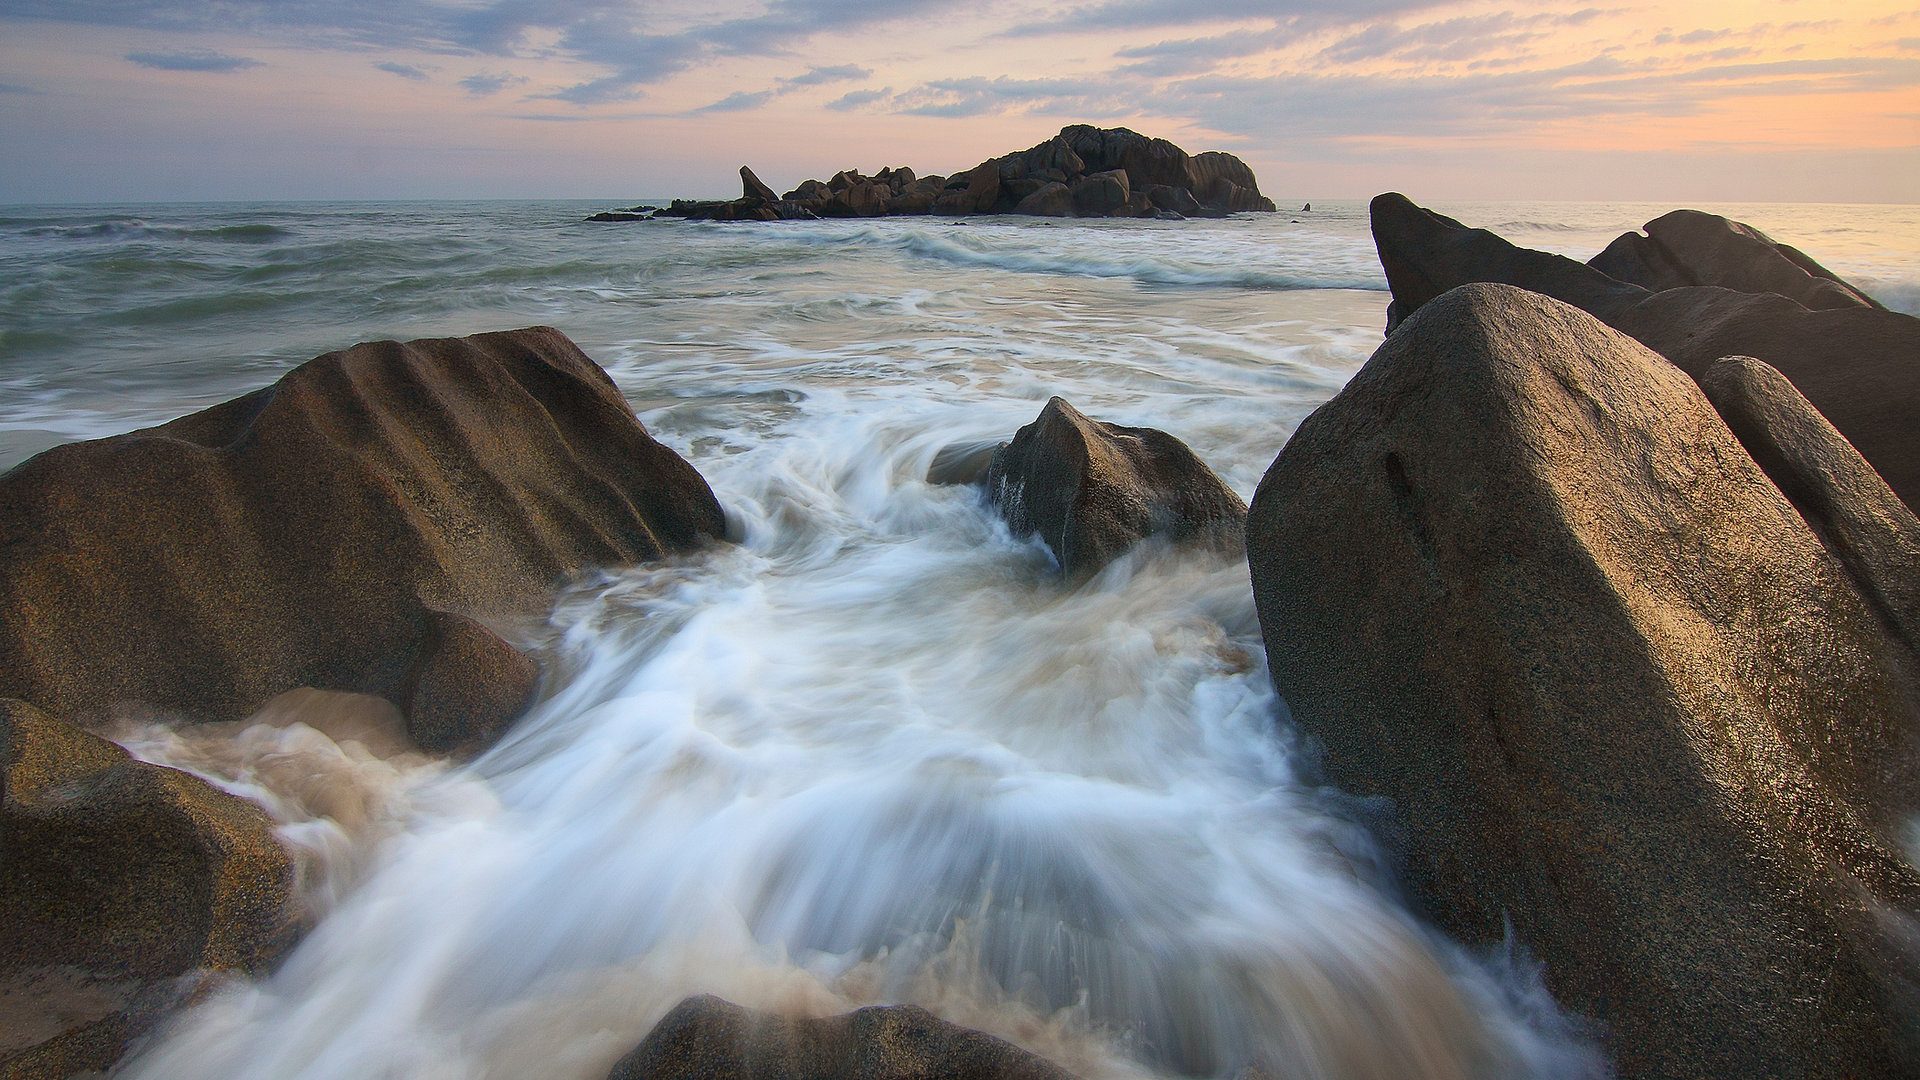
{"type": "Point", "coordinates": [1520, 579]}
{"type": "Point", "coordinates": [119, 881]}
{"type": "Point", "coordinates": [706, 1038]}
{"type": "Point", "coordinates": [1687, 247]}
{"type": "Point", "coordinates": [359, 525]}
{"type": "Point", "coordinates": [972, 192]}
{"type": "Point", "coordinates": [1051, 199]}
{"type": "Point", "coordinates": [1858, 365]}
{"type": "Point", "coordinates": [1092, 490]}
{"type": "Point", "coordinates": [1102, 194]}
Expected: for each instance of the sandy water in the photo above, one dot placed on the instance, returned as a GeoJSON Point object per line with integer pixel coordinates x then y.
{"type": "Point", "coordinates": [876, 752]}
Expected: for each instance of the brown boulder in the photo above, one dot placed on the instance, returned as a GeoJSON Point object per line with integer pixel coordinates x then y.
{"type": "Point", "coordinates": [1048, 200]}
{"type": "Point", "coordinates": [809, 191]}
{"type": "Point", "coordinates": [120, 880]}
{"type": "Point", "coordinates": [1223, 181]}
{"type": "Point", "coordinates": [1859, 366]}
{"type": "Point", "coordinates": [1868, 530]}
{"type": "Point", "coordinates": [752, 188]}
{"type": "Point", "coordinates": [1687, 247]}
{"type": "Point", "coordinates": [1102, 194]}
{"type": "Point", "coordinates": [706, 1038]}
{"type": "Point", "coordinates": [972, 192]}
{"type": "Point", "coordinates": [1519, 578]}
{"type": "Point", "coordinates": [325, 530]}
{"type": "Point", "coordinates": [1092, 490]}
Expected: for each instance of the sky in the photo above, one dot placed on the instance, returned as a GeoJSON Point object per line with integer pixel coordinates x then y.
{"type": "Point", "coordinates": [1700, 100]}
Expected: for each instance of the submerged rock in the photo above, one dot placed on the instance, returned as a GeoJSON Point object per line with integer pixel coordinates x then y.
{"type": "Point", "coordinates": [1520, 579]}
{"type": "Point", "coordinates": [707, 1038]}
{"type": "Point", "coordinates": [1092, 489]}
{"type": "Point", "coordinates": [355, 526]}
{"type": "Point", "coordinates": [1858, 365]}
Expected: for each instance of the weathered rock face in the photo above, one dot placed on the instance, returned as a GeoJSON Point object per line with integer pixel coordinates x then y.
{"type": "Point", "coordinates": [1867, 529]}
{"type": "Point", "coordinates": [1860, 366]}
{"type": "Point", "coordinates": [706, 1038]}
{"type": "Point", "coordinates": [752, 188]}
{"type": "Point", "coordinates": [1092, 490]}
{"type": "Point", "coordinates": [1102, 194]}
{"type": "Point", "coordinates": [350, 527]}
{"type": "Point", "coordinates": [1687, 247]}
{"type": "Point", "coordinates": [1520, 579]}
{"type": "Point", "coordinates": [121, 875]}
{"type": "Point", "coordinates": [1051, 199]}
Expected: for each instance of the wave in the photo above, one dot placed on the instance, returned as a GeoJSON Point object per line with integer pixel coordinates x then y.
{"type": "Point", "coordinates": [137, 229]}
{"type": "Point", "coordinates": [1146, 269]}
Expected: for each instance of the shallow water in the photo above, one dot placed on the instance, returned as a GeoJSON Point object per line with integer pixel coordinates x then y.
{"type": "Point", "coordinates": [876, 752]}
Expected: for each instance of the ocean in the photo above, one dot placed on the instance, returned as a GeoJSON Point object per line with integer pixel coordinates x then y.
{"type": "Point", "coordinates": [876, 751]}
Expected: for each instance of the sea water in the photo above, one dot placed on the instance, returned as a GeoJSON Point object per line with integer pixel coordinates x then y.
{"type": "Point", "coordinates": [877, 751]}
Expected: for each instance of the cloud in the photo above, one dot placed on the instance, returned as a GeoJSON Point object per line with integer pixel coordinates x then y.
{"type": "Point", "coordinates": [193, 60]}
{"type": "Point", "coordinates": [1151, 14]}
{"type": "Point", "coordinates": [620, 37]}
{"type": "Point", "coordinates": [405, 71]}
{"type": "Point", "coordinates": [737, 102]}
{"type": "Point", "coordinates": [1088, 98]}
{"type": "Point", "coordinates": [481, 85]}
{"type": "Point", "coordinates": [851, 101]}
{"type": "Point", "coordinates": [820, 75]}
{"type": "Point", "coordinates": [12, 88]}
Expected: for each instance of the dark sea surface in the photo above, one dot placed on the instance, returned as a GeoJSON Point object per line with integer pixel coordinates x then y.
{"type": "Point", "coordinates": [875, 752]}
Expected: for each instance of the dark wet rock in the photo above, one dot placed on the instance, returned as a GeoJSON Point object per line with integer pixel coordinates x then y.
{"type": "Point", "coordinates": [1224, 181]}
{"type": "Point", "coordinates": [1860, 366]}
{"type": "Point", "coordinates": [122, 883]}
{"type": "Point", "coordinates": [470, 688]}
{"type": "Point", "coordinates": [809, 191]}
{"type": "Point", "coordinates": [618, 215]}
{"type": "Point", "coordinates": [752, 188]}
{"type": "Point", "coordinates": [971, 192]}
{"type": "Point", "coordinates": [1050, 200]}
{"type": "Point", "coordinates": [864, 199]}
{"type": "Point", "coordinates": [1520, 579]}
{"type": "Point", "coordinates": [1052, 160]}
{"type": "Point", "coordinates": [324, 531]}
{"type": "Point", "coordinates": [707, 1038]}
{"type": "Point", "coordinates": [1177, 199]}
{"type": "Point", "coordinates": [788, 210]}
{"type": "Point", "coordinates": [1101, 194]}
{"type": "Point", "coordinates": [130, 869]}
{"type": "Point", "coordinates": [1092, 490]}
{"type": "Point", "coordinates": [963, 463]}
{"type": "Point", "coordinates": [1687, 247]}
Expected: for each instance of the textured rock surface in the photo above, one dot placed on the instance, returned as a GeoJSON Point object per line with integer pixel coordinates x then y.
{"type": "Point", "coordinates": [1092, 490]}
{"type": "Point", "coordinates": [1519, 578]}
{"type": "Point", "coordinates": [1687, 247]}
{"type": "Point", "coordinates": [706, 1038]}
{"type": "Point", "coordinates": [318, 531]}
{"type": "Point", "coordinates": [1859, 366]}
{"type": "Point", "coordinates": [119, 881]}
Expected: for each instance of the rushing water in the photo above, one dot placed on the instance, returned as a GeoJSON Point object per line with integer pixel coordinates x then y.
{"type": "Point", "coordinates": [876, 751]}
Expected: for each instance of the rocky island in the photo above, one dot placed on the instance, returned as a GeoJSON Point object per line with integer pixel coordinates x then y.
{"type": "Point", "coordinates": [1084, 171]}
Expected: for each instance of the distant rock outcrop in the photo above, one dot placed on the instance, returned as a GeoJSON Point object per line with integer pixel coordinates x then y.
{"type": "Point", "coordinates": [1632, 706]}
{"type": "Point", "coordinates": [707, 1038]}
{"type": "Point", "coordinates": [1099, 172]}
{"type": "Point", "coordinates": [1092, 489]}
{"type": "Point", "coordinates": [1857, 363]}
{"type": "Point", "coordinates": [355, 526]}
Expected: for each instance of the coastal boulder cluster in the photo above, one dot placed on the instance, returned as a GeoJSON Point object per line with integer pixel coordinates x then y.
{"type": "Point", "coordinates": [1604, 577]}
{"type": "Point", "coordinates": [1612, 586]}
{"type": "Point", "coordinates": [1082, 172]}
